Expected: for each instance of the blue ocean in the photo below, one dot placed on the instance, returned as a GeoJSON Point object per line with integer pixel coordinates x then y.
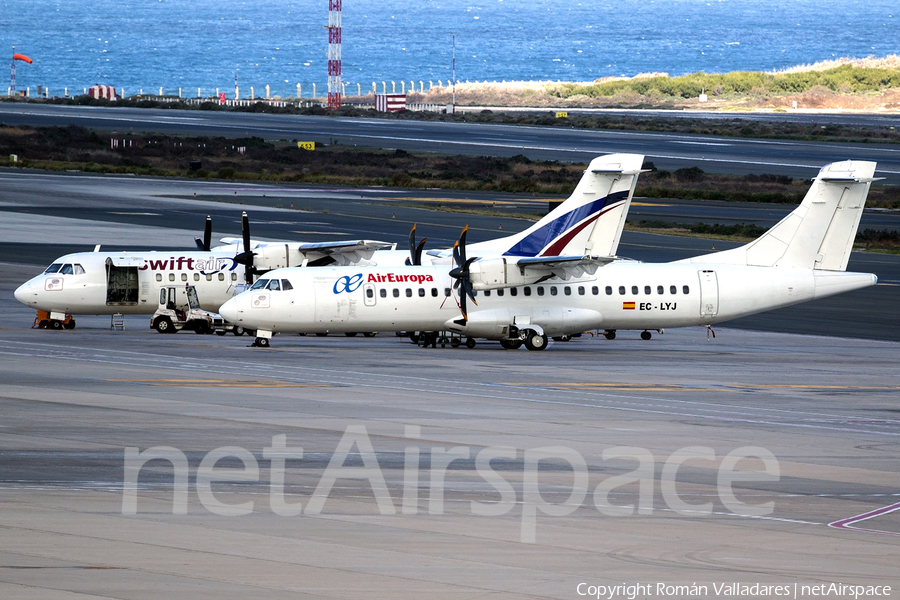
{"type": "Point", "coordinates": [190, 44]}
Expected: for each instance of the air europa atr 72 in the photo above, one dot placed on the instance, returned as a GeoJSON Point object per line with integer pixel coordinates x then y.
{"type": "Point", "coordinates": [103, 283]}
{"type": "Point", "coordinates": [523, 300]}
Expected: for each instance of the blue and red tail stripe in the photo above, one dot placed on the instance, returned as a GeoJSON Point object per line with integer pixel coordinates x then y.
{"type": "Point", "coordinates": [552, 238]}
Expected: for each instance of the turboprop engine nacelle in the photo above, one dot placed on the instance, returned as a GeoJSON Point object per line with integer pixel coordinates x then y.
{"type": "Point", "coordinates": [276, 256]}
{"type": "Point", "coordinates": [497, 273]}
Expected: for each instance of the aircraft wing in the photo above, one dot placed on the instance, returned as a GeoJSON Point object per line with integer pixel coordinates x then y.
{"type": "Point", "coordinates": [343, 253]}
{"type": "Point", "coordinates": [564, 267]}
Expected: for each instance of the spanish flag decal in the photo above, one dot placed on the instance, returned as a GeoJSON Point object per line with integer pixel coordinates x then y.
{"type": "Point", "coordinates": [628, 306]}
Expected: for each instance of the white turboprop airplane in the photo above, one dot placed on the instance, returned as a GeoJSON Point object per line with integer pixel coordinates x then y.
{"type": "Point", "coordinates": [100, 283]}
{"type": "Point", "coordinates": [107, 283]}
{"type": "Point", "coordinates": [525, 300]}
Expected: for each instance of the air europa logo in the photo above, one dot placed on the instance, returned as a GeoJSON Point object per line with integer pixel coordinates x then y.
{"type": "Point", "coordinates": [348, 283]}
{"type": "Point", "coordinates": [394, 278]}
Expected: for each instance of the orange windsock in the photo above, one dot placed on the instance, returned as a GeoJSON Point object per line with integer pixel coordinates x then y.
{"type": "Point", "coordinates": [23, 58]}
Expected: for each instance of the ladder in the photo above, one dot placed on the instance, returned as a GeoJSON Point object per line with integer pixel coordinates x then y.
{"type": "Point", "coordinates": [117, 322]}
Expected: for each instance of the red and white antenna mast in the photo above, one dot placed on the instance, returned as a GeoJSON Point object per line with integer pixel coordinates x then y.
{"type": "Point", "coordinates": [334, 53]}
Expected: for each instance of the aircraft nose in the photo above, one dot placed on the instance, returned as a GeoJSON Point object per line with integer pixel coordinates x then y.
{"type": "Point", "coordinates": [229, 310]}
{"type": "Point", "coordinates": [24, 293]}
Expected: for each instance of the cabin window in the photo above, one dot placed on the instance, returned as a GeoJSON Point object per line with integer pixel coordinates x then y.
{"type": "Point", "coordinates": [527, 290]}
{"type": "Point", "coordinates": [171, 276]}
{"type": "Point", "coordinates": [259, 285]}
{"type": "Point", "coordinates": [396, 293]}
{"type": "Point", "coordinates": [540, 290]}
{"type": "Point", "coordinates": [581, 290]}
{"type": "Point", "coordinates": [421, 292]}
{"type": "Point", "coordinates": [66, 270]}
{"type": "Point", "coordinates": [609, 290]}
{"type": "Point", "coordinates": [233, 277]}
{"type": "Point", "coordinates": [596, 291]}
{"type": "Point", "coordinates": [196, 276]}
{"type": "Point", "coordinates": [447, 292]}
{"type": "Point", "coordinates": [513, 292]}
{"type": "Point", "coordinates": [54, 268]}
{"type": "Point", "coordinates": [499, 292]}
{"type": "Point", "coordinates": [553, 290]}
{"type": "Point", "coordinates": [79, 270]}
{"type": "Point", "coordinates": [209, 276]}
{"type": "Point", "coordinates": [634, 290]}
{"type": "Point", "coordinates": [567, 290]}
{"type": "Point", "coordinates": [660, 290]}
{"type": "Point", "coordinates": [434, 293]}
{"type": "Point", "coordinates": [370, 293]}
{"type": "Point", "coordinates": [184, 276]}
{"type": "Point", "coordinates": [286, 285]}
{"type": "Point", "coordinates": [409, 292]}
{"type": "Point", "coordinates": [221, 276]}
{"type": "Point", "coordinates": [673, 289]}
{"type": "Point", "coordinates": [382, 292]}
{"type": "Point", "coordinates": [159, 276]}
{"type": "Point", "coordinates": [487, 293]}
{"type": "Point", "coordinates": [685, 290]}
{"type": "Point", "coordinates": [647, 290]}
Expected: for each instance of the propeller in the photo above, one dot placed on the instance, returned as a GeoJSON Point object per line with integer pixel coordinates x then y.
{"type": "Point", "coordinates": [204, 244]}
{"type": "Point", "coordinates": [246, 257]}
{"type": "Point", "coordinates": [461, 274]}
{"type": "Point", "coordinates": [415, 252]}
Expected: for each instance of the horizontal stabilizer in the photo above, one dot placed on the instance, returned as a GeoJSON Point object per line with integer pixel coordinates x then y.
{"type": "Point", "coordinates": [819, 233]}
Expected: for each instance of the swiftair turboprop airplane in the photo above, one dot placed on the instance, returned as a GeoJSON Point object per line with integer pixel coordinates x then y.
{"type": "Point", "coordinates": [98, 283]}
{"type": "Point", "coordinates": [523, 300]}
{"type": "Point", "coordinates": [108, 283]}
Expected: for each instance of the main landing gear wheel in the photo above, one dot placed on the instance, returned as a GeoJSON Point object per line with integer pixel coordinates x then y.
{"type": "Point", "coordinates": [535, 341]}
{"type": "Point", "coordinates": [261, 342]}
{"type": "Point", "coordinates": [164, 325]}
{"type": "Point", "coordinates": [610, 335]}
{"type": "Point", "coordinates": [455, 342]}
{"type": "Point", "coordinates": [511, 344]}
{"type": "Point", "coordinates": [350, 333]}
{"type": "Point", "coordinates": [646, 335]}
{"type": "Point", "coordinates": [370, 333]}
{"type": "Point", "coordinates": [470, 342]}
{"type": "Point", "coordinates": [562, 338]}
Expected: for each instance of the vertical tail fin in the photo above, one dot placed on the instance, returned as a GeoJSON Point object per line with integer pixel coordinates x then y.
{"type": "Point", "coordinates": [590, 221]}
{"type": "Point", "coordinates": [819, 233]}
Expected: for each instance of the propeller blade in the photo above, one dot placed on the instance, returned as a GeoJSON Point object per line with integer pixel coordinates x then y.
{"type": "Point", "coordinates": [246, 255]}
{"type": "Point", "coordinates": [418, 257]}
{"type": "Point", "coordinates": [412, 243]}
{"type": "Point", "coordinates": [206, 242]}
{"type": "Point", "coordinates": [461, 274]}
{"type": "Point", "coordinates": [462, 307]}
{"type": "Point", "coordinates": [462, 245]}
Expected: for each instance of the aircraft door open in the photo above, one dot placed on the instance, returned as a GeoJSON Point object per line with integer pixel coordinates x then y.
{"type": "Point", "coordinates": [121, 283]}
{"type": "Point", "coordinates": [709, 294]}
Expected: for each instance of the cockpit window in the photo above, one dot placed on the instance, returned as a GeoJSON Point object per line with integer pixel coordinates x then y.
{"type": "Point", "coordinates": [286, 285]}
{"type": "Point", "coordinates": [54, 268]}
{"type": "Point", "coordinates": [66, 270]}
{"type": "Point", "coordinates": [260, 284]}
{"type": "Point", "coordinates": [79, 270]}
{"type": "Point", "coordinates": [274, 285]}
